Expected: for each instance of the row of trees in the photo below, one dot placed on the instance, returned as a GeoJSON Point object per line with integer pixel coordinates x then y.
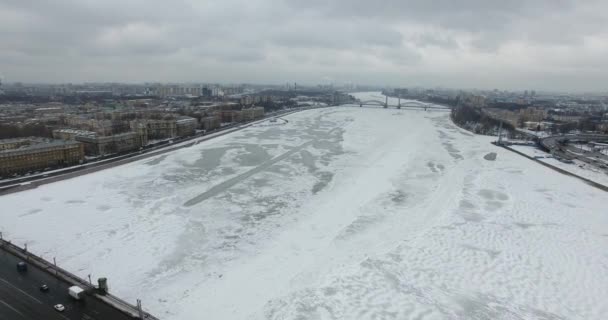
{"type": "Point", "coordinates": [474, 120]}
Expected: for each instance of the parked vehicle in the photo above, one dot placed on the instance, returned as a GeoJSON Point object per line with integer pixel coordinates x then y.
{"type": "Point", "coordinates": [76, 292]}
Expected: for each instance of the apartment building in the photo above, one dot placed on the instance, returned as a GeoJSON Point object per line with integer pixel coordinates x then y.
{"type": "Point", "coordinates": [32, 154]}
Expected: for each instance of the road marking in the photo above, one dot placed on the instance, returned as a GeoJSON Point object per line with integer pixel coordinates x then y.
{"type": "Point", "coordinates": [9, 306]}
{"type": "Point", "coordinates": [25, 293]}
{"type": "Point", "coordinates": [66, 318]}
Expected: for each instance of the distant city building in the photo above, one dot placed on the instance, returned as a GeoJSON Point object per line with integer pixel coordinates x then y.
{"type": "Point", "coordinates": [158, 129]}
{"type": "Point", "coordinates": [23, 155]}
{"type": "Point", "coordinates": [186, 126]}
{"type": "Point", "coordinates": [95, 145]}
{"type": "Point", "coordinates": [141, 129]}
{"type": "Point", "coordinates": [252, 99]}
{"type": "Point", "coordinates": [246, 100]}
{"type": "Point", "coordinates": [538, 125]}
{"type": "Point", "coordinates": [566, 118]}
{"type": "Point", "coordinates": [227, 116]}
{"type": "Point", "coordinates": [70, 134]}
{"type": "Point", "coordinates": [217, 91]}
{"type": "Point", "coordinates": [48, 111]}
{"type": "Point", "coordinates": [478, 101]}
{"type": "Point", "coordinates": [7, 144]}
{"type": "Point", "coordinates": [533, 114]}
{"type": "Point", "coordinates": [99, 145]}
{"type": "Point", "coordinates": [101, 127]}
{"type": "Point", "coordinates": [252, 113]}
{"type": "Point", "coordinates": [206, 92]}
{"type": "Point", "coordinates": [210, 123]}
{"type": "Point", "coordinates": [232, 90]}
{"type": "Point", "coordinates": [182, 90]}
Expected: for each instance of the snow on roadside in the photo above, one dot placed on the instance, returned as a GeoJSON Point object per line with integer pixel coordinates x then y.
{"type": "Point", "coordinates": [579, 168]}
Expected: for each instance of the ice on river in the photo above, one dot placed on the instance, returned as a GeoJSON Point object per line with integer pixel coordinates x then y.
{"type": "Point", "coordinates": [339, 213]}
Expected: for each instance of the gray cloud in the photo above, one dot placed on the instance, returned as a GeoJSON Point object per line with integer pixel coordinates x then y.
{"type": "Point", "coordinates": [435, 39]}
{"type": "Point", "coordinates": [471, 43]}
{"type": "Point", "coordinates": [336, 35]}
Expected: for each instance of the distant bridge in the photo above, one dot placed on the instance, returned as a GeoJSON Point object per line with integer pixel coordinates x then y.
{"type": "Point", "coordinates": [407, 104]}
{"type": "Point", "coordinates": [372, 103]}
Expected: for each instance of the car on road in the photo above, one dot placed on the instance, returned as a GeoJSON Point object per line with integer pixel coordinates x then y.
{"type": "Point", "coordinates": [21, 266]}
{"type": "Point", "coordinates": [44, 288]}
{"type": "Point", "coordinates": [59, 307]}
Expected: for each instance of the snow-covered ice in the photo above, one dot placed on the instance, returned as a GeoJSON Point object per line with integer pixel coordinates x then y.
{"type": "Point", "coordinates": [340, 213]}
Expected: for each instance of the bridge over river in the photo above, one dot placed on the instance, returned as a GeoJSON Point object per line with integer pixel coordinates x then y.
{"type": "Point", "coordinates": [410, 104]}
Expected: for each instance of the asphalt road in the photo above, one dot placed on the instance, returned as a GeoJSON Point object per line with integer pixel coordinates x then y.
{"type": "Point", "coordinates": [591, 155]}
{"type": "Point", "coordinates": [21, 298]}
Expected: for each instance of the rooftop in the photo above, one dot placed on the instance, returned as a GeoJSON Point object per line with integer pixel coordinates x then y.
{"type": "Point", "coordinates": [39, 144]}
{"type": "Point", "coordinates": [76, 131]}
{"type": "Point", "coordinates": [12, 140]}
{"type": "Point", "coordinates": [183, 119]}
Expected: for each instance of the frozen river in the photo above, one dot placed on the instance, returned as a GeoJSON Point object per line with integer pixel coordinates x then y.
{"type": "Point", "coordinates": [338, 213]}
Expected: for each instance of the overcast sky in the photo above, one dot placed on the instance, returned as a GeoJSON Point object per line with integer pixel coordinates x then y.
{"type": "Point", "coordinates": [508, 44]}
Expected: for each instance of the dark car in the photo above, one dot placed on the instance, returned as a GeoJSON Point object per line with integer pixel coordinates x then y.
{"type": "Point", "coordinates": [21, 266]}
{"type": "Point", "coordinates": [44, 288]}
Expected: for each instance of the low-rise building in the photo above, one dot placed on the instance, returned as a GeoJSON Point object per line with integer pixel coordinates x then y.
{"type": "Point", "coordinates": [186, 126]}
{"type": "Point", "coordinates": [102, 127]}
{"type": "Point", "coordinates": [534, 125]}
{"type": "Point", "coordinates": [252, 113]}
{"type": "Point", "coordinates": [70, 134]}
{"type": "Point", "coordinates": [6, 144]}
{"type": "Point", "coordinates": [95, 145]}
{"type": "Point", "coordinates": [246, 100]}
{"type": "Point", "coordinates": [158, 129]}
{"type": "Point", "coordinates": [227, 116]}
{"type": "Point", "coordinates": [33, 154]}
{"type": "Point", "coordinates": [48, 111]}
{"type": "Point", "coordinates": [567, 118]}
{"type": "Point", "coordinates": [533, 114]}
{"type": "Point", "coordinates": [478, 101]}
{"type": "Point", "coordinates": [141, 129]}
{"type": "Point", "coordinates": [210, 123]}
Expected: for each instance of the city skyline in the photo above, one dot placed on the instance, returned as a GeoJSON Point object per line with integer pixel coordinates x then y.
{"type": "Point", "coordinates": [539, 44]}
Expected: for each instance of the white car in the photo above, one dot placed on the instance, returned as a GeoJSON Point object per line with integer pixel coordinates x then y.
{"type": "Point", "coordinates": [59, 307]}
